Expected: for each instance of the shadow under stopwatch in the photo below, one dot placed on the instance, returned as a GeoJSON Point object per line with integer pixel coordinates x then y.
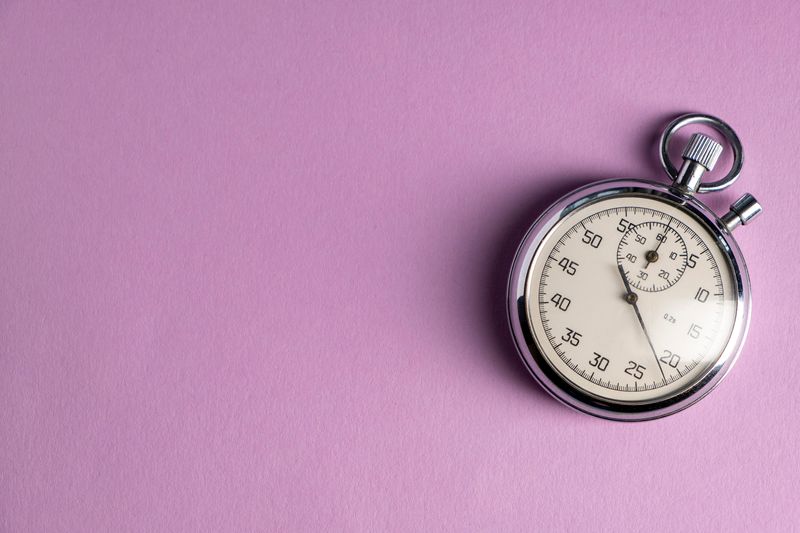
{"type": "Point", "coordinates": [648, 148]}
{"type": "Point", "coordinates": [498, 266]}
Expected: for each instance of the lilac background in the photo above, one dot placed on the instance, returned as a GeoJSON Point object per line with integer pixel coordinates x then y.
{"type": "Point", "coordinates": [254, 261]}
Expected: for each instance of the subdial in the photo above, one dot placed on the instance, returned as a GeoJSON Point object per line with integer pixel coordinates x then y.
{"type": "Point", "coordinates": [652, 255]}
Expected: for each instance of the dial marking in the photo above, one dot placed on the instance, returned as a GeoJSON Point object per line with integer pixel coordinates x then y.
{"type": "Point", "coordinates": [675, 243]}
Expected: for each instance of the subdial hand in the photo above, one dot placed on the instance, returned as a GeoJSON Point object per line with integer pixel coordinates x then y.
{"type": "Point", "coordinates": [652, 255]}
{"type": "Point", "coordinates": [631, 297]}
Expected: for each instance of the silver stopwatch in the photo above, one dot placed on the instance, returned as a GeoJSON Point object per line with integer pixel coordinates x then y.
{"type": "Point", "coordinates": [629, 299]}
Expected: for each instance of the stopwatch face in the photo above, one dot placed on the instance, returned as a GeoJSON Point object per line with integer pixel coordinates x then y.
{"type": "Point", "coordinates": [631, 301]}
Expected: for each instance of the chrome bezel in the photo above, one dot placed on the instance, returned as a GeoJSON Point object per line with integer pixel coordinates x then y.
{"type": "Point", "coordinates": [528, 345]}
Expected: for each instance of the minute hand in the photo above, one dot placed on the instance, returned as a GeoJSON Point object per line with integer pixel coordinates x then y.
{"type": "Point", "coordinates": [631, 297]}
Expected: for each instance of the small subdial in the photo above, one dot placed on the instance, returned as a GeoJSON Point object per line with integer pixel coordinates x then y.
{"type": "Point", "coordinates": [653, 256]}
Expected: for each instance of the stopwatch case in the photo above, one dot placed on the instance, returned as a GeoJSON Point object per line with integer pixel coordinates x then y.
{"type": "Point", "coordinates": [528, 345]}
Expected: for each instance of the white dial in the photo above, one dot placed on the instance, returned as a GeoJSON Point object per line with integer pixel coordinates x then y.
{"type": "Point", "coordinates": [631, 299]}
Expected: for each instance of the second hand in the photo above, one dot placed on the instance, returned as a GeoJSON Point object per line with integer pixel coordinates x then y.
{"type": "Point", "coordinates": [631, 297]}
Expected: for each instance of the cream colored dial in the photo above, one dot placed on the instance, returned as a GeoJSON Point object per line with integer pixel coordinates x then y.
{"type": "Point", "coordinates": [631, 299]}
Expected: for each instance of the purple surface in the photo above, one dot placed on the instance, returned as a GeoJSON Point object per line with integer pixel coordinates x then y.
{"type": "Point", "coordinates": [255, 260]}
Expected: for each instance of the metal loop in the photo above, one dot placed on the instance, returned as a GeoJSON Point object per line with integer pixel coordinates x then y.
{"type": "Point", "coordinates": [720, 126]}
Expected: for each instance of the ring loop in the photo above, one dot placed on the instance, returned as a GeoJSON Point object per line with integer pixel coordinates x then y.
{"type": "Point", "coordinates": [720, 126]}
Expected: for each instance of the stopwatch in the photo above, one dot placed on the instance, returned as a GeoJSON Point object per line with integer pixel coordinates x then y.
{"type": "Point", "coordinates": [629, 299]}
